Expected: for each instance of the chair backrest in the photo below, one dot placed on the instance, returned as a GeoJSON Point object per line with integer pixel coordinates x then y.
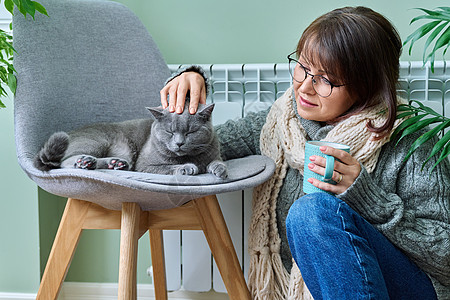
{"type": "Point", "coordinates": [89, 61]}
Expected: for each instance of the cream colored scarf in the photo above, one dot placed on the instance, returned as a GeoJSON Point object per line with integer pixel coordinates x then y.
{"type": "Point", "coordinates": [283, 139]}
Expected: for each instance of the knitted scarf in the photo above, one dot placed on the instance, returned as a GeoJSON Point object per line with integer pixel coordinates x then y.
{"type": "Point", "coordinates": [283, 139]}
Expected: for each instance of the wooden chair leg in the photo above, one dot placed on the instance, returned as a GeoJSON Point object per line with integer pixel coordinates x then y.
{"type": "Point", "coordinates": [63, 248]}
{"type": "Point", "coordinates": [221, 245]}
{"type": "Point", "coordinates": [159, 270]}
{"type": "Point", "coordinates": [128, 251]}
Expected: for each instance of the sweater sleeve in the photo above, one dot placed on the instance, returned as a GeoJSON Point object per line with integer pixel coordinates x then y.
{"type": "Point", "coordinates": [410, 206]}
{"type": "Point", "coordinates": [240, 138]}
{"type": "Point", "coordinates": [192, 68]}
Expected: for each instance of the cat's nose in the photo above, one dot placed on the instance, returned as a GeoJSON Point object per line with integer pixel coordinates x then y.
{"type": "Point", "coordinates": [179, 142]}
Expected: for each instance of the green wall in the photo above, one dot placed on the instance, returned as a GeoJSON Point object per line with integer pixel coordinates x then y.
{"type": "Point", "coordinates": [187, 31]}
{"type": "Point", "coordinates": [250, 31]}
{"type": "Point", "coordinates": [19, 244]}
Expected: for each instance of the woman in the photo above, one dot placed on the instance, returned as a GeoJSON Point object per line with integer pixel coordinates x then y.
{"type": "Point", "coordinates": [385, 232]}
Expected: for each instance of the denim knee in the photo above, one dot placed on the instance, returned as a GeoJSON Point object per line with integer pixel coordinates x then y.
{"type": "Point", "coordinates": [311, 206]}
{"type": "Point", "coordinates": [310, 211]}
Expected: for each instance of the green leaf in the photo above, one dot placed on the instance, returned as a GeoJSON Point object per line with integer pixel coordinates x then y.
{"type": "Point", "coordinates": [11, 69]}
{"type": "Point", "coordinates": [425, 137]}
{"type": "Point", "coordinates": [445, 152]}
{"type": "Point", "coordinates": [405, 107]}
{"type": "Point", "coordinates": [426, 109]}
{"type": "Point", "coordinates": [12, 83]}
{"type": "Point", "coordinates": [3, 92]}
{"type": "Point", "coordinates": [435, 17]}
{"type": "Point", "coordinates": [405, 124]}
{"type": "Point", "coordinates": [406, 114]}
{"type": "Point", "coordinates": [442, 41]}
{"type": "Point", "coordinates": [9, 45]}
{"type": "Point", "coordinates": [29, 7]}
{"type": "Point", "coordinates": [19, 5]}
{"type": "Point", "coordinates": [430, 12]}
{"type": "Point", "coordinates": [415, 127]}
{"type": "Point", "coordinates": [431, 58]}
{"type": "Point", "coordinates": [40, 8]}
{"type": "Point", "coordinates": [2, 105]}
{"type": "Point", "coordinates": [419, 33]}
{"type": "Point", "coordinates": [445, 50]}
{"type": "Point", "coordinates": [9, 5]}
{"type": "Point", "coordinates": [445, 10]}
{"type": "Point", "coordinates": [432, 37]}
{"type": "Point", "coordinates": [3, 75]}
{"type": "Point", "coordinates": [438, 147]}
{"type": "Point", "coordinates": [427, 17]}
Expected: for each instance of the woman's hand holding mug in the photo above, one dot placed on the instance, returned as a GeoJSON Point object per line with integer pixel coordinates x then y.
{"type": "Point", "coordinates": [329, 167]}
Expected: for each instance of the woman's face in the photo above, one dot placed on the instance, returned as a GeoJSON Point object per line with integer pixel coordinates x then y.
{"type": "Point", "coordinates": [312, 106]}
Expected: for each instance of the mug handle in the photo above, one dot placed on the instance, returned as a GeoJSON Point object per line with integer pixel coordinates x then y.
{"type": "Point", "coordinates": [329, 169]}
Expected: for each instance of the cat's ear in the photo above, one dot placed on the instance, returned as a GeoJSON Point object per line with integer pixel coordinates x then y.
{"type": "Point", "coordinates": [157, 112]}
{"type": "Point", "coordinates": [206, 111]}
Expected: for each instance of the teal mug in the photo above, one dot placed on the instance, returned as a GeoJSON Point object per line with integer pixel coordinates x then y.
{"type": "Point", "coordinates": [313, 148]}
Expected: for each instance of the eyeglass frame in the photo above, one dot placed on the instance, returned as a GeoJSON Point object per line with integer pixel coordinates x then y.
{"type": "Point", "coordinates": [312, 76]}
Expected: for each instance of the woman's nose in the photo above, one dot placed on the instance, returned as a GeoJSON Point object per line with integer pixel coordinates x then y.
{"type": "Point", "coordinates": [306, 86]}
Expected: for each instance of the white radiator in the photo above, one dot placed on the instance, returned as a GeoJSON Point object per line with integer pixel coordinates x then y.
{"type": "Point", "coordinates": [237, 90]}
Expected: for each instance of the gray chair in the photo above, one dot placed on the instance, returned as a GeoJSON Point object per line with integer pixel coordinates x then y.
{"type": "Point", "coordinates": [94, 61]}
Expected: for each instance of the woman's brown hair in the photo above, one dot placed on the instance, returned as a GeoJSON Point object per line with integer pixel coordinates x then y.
{"type": "Point", "coordinates": [360, 48]}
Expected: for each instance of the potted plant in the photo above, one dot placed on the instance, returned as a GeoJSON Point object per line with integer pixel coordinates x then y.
{"type": "Point", "coordinates": [438, 31]}
{"type": "Point", "coordinates": [7, 77]}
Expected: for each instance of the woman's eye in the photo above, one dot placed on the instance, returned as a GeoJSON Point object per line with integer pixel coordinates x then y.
{"type": "Point", "coordinates": [323, 80]}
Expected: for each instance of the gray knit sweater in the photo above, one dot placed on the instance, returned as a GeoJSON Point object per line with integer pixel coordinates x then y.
{"type": "Point", "coordinates": [409, 206]}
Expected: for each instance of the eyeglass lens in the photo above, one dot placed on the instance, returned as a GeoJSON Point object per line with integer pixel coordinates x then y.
{"type": "Point", "coordinates": [321, 85]}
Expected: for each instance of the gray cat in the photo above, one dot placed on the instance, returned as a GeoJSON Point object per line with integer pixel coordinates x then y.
{"type": "Point", "coordinates": [170, 143]}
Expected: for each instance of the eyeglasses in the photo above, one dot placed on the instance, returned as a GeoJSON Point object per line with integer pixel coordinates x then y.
{"type": "Point", "coordinates": [321, 85]}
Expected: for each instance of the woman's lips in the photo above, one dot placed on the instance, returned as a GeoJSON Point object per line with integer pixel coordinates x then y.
{"type": "Point", "coordinates": [306, 103]}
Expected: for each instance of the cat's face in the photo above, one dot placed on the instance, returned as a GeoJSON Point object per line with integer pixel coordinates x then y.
{"type": "Point", "coordinates": [183, 134]}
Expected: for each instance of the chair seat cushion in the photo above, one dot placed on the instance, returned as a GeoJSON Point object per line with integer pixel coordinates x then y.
{"type": "Point", "coordinates": [110, 188]}
{"type": "Point", "coordinates": [238, 169]}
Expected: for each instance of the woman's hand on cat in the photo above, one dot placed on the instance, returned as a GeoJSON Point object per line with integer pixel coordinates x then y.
{"type": "Point", "coordinates": [177, 89]}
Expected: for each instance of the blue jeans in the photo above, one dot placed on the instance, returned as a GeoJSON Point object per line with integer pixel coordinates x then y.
{"type": "Point", "coordinates": [342, 256]}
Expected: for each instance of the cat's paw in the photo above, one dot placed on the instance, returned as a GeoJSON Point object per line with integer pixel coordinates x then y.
{"type": "Point", "coordinates": [218, 168]}
{"type": "Point", "coordinates": [118, 164]}
{"type": "Point", "coordinates": [86, 162]}
{"type": "Point", "coordinates": [187, 169]}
